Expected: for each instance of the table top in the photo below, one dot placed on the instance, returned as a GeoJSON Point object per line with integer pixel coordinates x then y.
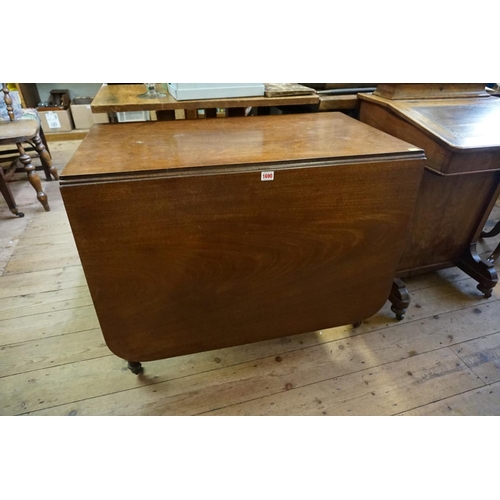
{"type": "Point", "coordinates": [188, 144]}
{"type": "Point", "coordinates": [119, 98]}
{"type": "Point", "coordinates": [460, 124]}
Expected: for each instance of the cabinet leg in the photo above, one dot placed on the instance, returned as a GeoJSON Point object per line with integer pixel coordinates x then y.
{"type": "Point", "coordinates": [134, 367]}
{"type": "Point", "coordinates": [399, 298]}
{"type": "Point", "coordinates": [482, 271]}
{"type": "Point", "coordinates": [357, 324]}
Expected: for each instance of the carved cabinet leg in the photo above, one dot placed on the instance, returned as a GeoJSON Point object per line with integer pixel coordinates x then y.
{"type": "Point", "coordinates": [482, 271]}
{"type": "Point", "coordinates": [33, 177]}
{"type": "Point", "coordinates": [134, 367]}
{"type": "Point", "coordinates": [400, 298]}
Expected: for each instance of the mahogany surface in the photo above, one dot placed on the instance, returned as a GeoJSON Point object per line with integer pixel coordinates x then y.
{"type": "Point", "coordinates": [118, 98]}
{"type": "Point", "coordinates": [461, 182]}
{"type": "Point", "coordinates": [163, 146]}
{"type": "Point", "coordinates": [185, 249]}
{"type": "Point", "coordinates": [430, 90]}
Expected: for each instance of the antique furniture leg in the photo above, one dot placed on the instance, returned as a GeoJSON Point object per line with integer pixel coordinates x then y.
{"type": "Point", "coordinates": [400, 298]}
{"type": "Point", "coordinates": [482, 271]}
{"type": "Point", "coordinates": [7, 194]}
{"type": "Point", "coordinates": [45, 159]}
{"type": "Point", "coordinates": [357, 324]}
{"type": "Point", "coordinates": [33, 177]}
{"type": "Point", "coordinates": [494, 232]}
{"type": "Point", "coordinates": [44, 141]}
{"type": "Point", "coordinates": [134, 367]}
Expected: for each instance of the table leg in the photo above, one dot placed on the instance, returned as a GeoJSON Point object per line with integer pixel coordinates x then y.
{"type": "Point", "coordinates": [399, 298]}
{"type": "Point", "coordinates": [191, 114]}
{"type": "Point", "coordinates": [134, 367]}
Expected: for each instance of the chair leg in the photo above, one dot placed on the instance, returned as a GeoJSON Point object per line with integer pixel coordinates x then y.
{"type": "Point", "coordinates": [44, 140]}
{"type": "Point", "coordinates": [45, 158]}
{"type": "Point", "coordinates": [7, 194]}
{"type": "Point", "coordinates": [33, 177]}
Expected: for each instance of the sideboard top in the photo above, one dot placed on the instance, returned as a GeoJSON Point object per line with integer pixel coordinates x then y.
{"type": "Point", "coordinates": [459, 124]}
{"type": "Point", "coordinates": [126, 148]}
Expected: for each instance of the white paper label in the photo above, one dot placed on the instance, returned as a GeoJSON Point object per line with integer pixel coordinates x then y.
{"type": "Point", "coordinates": [88, 106]}
{"type": "Point", "coordinates": [267, 176]}
{"type": "Point", "coordinates": [53, 120]}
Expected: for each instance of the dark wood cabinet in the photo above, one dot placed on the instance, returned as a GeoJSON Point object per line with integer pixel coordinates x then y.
{"type": "Point", "coordinates": [461, 182]}
{"type": "Point", "coordinates": [207, 234]}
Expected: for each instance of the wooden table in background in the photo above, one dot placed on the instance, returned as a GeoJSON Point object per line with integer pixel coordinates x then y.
{"type": "Point", "coordinates": [119, 98]}
{"type": "Point", "coordinates": [198, 235]}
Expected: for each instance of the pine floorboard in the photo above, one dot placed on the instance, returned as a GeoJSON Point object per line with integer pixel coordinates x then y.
{"type": "Point", "coordinates": [442, 359]}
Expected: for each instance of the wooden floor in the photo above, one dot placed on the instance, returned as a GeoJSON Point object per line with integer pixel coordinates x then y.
{"type": "Point", "coordinates": [442, 359]}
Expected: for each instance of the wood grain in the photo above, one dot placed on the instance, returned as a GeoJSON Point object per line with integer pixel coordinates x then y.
{"type": "Point", "coordinates": [42, 281]}
{"type": "Point", "coordinates": [458, 125]}
{"type": "Point", "coordinates": [338, 102]}
{"type": "Point", "coordinates": [446, 151]}
{"type": "Point", "coordinates": [461, 138]}
{"type": "Point", "coordinates": [198, 253]}
{"type": "Point", "coordinates": [48, 324]}
{"type": "Point", "coordinates": [118, 98]}
{"type": "Point", "coordinates": [430, 90]}
{"type": "Point", "coordinates": [17, 131]}
{"type": "Point", "coordinates": [448, 213]}
{"type": "Point", "coordinates": [482, 355]}
{"type": "Point", "coordinates": [287, 377]}
{"type": "Point", "coordinates": [484, 401]}
{"type": "Point", "coordinates": [448, 305]}
{"type": "Point", "coordinates": [287, 89]}
{"type": "Point", "coordinates": [192, 144]}
{"type": "Point", "coordinates": [367, 392]}
{"type": "Point", "coordinates": [227, 259]}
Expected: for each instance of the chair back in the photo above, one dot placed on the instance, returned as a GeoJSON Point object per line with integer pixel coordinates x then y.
{"type": "Point", "coordinates": [8, 101]}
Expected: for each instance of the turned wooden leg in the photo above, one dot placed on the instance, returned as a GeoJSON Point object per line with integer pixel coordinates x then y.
{"type": "Point", "coordinates": [7, 194]}
{"type": "Point", "coordinates": [44, 140]}
{"type": "Point", "coordinates": [134, 367]}
{"type": "Point", "coordinates": [482, 271]}
{"type": "Point", "coordinates": [33, 177]}
{"type": "Point", "coordinates": [494, 232]}
{"type": "Point", "coordinates": [45, 158]}
{"type": "Point", "coordinates": [399, 298]}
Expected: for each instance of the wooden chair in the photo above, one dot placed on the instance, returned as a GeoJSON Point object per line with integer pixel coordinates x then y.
{"type": "Point", "coordinates": [20, 131]}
